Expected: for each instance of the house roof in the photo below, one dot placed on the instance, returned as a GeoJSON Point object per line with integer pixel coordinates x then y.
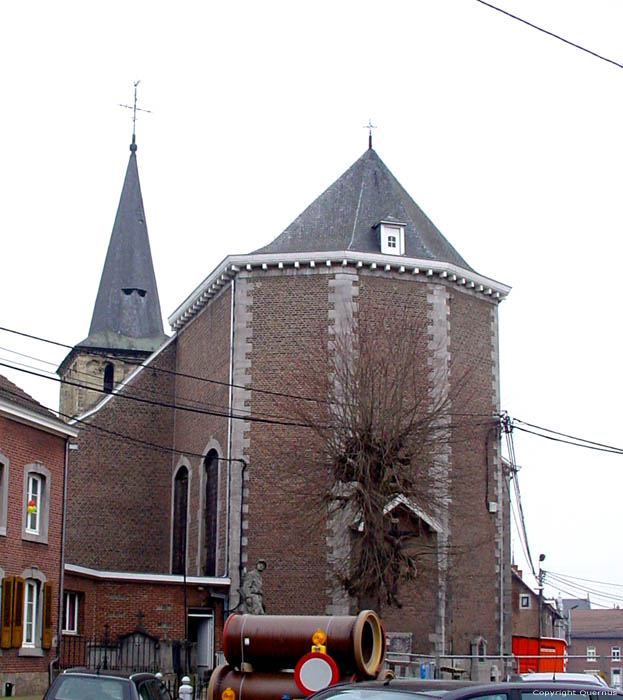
{"type": "Point", "coordinates": [12, 393]}
{"type": "Point", "coordinates": [569, 604]}
{"type": "Point", "coordinates": [127, 312]}
{"type": "Point", "coordinates": [597, 623]}
{"type": "Point", "coordinates": [345, 215]}
{"type": "Point", "coordinates": [16, 404]}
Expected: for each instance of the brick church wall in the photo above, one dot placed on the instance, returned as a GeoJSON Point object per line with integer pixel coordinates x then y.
{"type": "Point", "coordinates": [118, 516]}
{"type": "Point", "coordinates": [203, 350]}
{"type": "Point", "coordinates": [286, 520]}
{"type": "Point", "coordinates": [474, 577]}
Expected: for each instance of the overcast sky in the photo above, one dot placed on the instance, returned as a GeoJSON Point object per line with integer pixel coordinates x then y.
{"type": "Point", "coordinates": [510, 140]}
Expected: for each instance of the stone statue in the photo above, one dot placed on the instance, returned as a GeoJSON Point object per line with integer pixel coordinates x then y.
{"type": "Point", "coordinates": [252, 590]}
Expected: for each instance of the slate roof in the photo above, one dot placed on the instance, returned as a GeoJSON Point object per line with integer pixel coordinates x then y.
{"type": "Point", "coordinates": [12, 393]}
{"type": "Point", "coordinates": [569, 604]}
{"type": "Point", "coordinates": [127, 312]}
{"type": "Point", "coordinates": [345, 215]}
{"type": "Point", "coordinates": [597, 623]}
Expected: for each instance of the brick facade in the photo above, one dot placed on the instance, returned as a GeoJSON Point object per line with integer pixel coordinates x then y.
{"type": "Point", "coordinates": [31, 438]}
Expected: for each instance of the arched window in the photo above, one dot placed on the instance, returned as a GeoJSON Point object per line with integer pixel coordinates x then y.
{"type": "Point", "coordinates": [109, 377]}
{"type": "Point", "coordinates": [211, 503]}
{"type": "Point", "coordinates": [180, 515]}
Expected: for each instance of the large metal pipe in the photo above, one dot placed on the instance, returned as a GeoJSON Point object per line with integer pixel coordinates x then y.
{"type": "Point", "coordinates": [256, 685]}
{"type": "Point", "coordinates": [259, 685]}
{"type": "Point", "coordinates": [276, 642]}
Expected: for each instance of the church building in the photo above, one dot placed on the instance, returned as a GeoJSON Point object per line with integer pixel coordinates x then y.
{"type": "Point", "coordinates": [212, 454]}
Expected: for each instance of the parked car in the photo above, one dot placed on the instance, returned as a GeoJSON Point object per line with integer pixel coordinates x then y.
{"type": "Point", "coordinates": [399, 689]}
{"type": "Point", "coordinates": [86, 684]}
{"type": "Point", "coordinates": [562, 677]}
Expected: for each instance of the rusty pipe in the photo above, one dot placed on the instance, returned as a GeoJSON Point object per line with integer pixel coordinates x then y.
{"type": "Point", "coordinates": [276, 642]}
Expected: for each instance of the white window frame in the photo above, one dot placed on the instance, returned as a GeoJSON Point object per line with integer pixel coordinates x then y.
{"type": "Point", "coordinates": [34, 492]}
{"type": "Point", "coordinates": [75, 603]}
{"type": "Point", "coordinates": [36, 529]}
{"type": "Point", "coordinates": [615, 653]}
{"type": "Point", "coordinates": [4, 493]}
{"type": "Point", "coordinates": [31, 613]}
{"type": "Point", "coordinates": [524, 598]}
{"type": "Point", "coordinates": [392, 238]}
{"type": "Point", "coordinates": [591, 653]}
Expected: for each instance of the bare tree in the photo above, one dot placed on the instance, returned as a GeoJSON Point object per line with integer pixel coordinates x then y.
{"type": "Point", "coordinates": [385, 436]}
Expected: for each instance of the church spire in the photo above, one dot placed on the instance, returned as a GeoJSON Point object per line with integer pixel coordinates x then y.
{"type": "Point", "coordinates": [126, 326]}
{"type": "Point", "coordinates": [127, 312]}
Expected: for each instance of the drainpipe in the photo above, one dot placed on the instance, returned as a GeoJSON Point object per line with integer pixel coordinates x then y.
{"type": "Point", "coordinates": [61, 573]}
{"type": "Point", "coordinates": [229, 422]}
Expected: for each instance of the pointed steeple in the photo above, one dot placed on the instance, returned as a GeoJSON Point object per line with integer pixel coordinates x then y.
{"type": "Point", "coordinates": [347, 214]}
{"type": "Point", "coordinates": [126, 326]}
{"type": "Point", "coordinates": [127, 309]}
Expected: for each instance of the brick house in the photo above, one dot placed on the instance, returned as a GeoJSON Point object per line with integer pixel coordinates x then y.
{"type": "Point", "coordinates": [596, 643]}
{"type": "Point", "coordinates": [204, 460]}
{"type": "Point", "coordinates": [537, 646]}
{"type": "Point", "coordinates": [33, 447]}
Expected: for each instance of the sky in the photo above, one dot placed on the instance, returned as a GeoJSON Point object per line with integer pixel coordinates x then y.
{"type": "Point", "coordinates": [508, 138]}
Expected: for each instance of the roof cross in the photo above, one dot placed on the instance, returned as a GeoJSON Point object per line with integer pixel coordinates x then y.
{"type": "Point", "coordinates": [134, 109]}
{"type": "Point", "coordinates": [369, 126]}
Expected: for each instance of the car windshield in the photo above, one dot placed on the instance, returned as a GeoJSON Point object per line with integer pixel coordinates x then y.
{"type": "Point", "coordinates": [92, 688]}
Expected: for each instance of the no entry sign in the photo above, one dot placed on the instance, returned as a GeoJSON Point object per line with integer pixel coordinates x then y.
{"type": "Point", "coordinates": [315, 671]}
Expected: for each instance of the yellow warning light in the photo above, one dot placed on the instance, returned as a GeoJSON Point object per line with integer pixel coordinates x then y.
{"type": "Point", "coordinates": [228, 694]}
{"type": "Point", "coordinates": [318, 639]}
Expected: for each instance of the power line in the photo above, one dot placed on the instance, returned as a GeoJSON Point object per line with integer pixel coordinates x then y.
{"type": "Point", "coordinates": [173, 372]}
{"type": "Point", "coordinates": [546, 31]}
{"type": "Point", "coordinates": [163, 404]}
{"type": "Point", "coordinates": [572, 437]}
{"type": "Point", "coordinates": [184, 375]}
{"type": "Point", "coordinates": [570, 442]}
{"type": "Point", "coordinates": [129, 438]}
{"type": "Point", "coordinates": [588, 580]}
{"type": "Point", "coordinates": [181, 401]}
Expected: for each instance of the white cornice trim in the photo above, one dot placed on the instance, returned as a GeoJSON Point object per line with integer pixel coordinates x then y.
{"type": "Point", "coordinates": [146, 578]}
{"type": "Point", "coordinates": [233, 264]}
{"type": "Point", "coordinates": [37, 420]}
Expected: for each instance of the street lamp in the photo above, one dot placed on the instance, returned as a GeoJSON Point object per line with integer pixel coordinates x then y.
{"type": "Point", "coordinates": [540, 581]}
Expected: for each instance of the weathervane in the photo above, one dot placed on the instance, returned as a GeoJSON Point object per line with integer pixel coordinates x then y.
{"type": "Point", "coordinates": [134, 110]}
{"type": "Point", "coordinates": [369, 126]}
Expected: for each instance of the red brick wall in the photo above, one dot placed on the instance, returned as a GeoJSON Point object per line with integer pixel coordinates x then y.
{"type": "Point", "coordinates": [118, 515]}
{"type": "Point", "coordinates": [203, 351]}
{"type": "Point", "coordinates": [474, 578]}
{"type": "Point", "coordinates": [287, 523]}
{"type": "Point", "coordinates": [22, 444]}
{"type": "Point", "coordinates": [117, 604]}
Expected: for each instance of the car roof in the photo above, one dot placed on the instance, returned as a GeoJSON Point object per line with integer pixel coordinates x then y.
{"type": "Point", "coordinates": [459, 689]}
{"type": "Point", "coordinates": [108, 673]}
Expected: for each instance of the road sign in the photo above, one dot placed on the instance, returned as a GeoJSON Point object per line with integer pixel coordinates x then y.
{"type": "Point", "coordinates": [315, 671]}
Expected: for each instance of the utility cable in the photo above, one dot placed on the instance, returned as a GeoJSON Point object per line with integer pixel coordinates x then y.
{"type": "Point", "coordinates": [556, 36]}
{"type": "Point", "coordinates": [566, 435]}
{"type": "Point", "coordinates": [588, 580]}
{"type": "Point", "coordinates": [203, 379]}
{"type": "Point", "coordinates": [129, 438]}
{"type": "Point", "coordinates": [164, 404]}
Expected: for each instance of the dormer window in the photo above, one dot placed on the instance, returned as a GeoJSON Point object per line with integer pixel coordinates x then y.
{"type": "Point", "coordinates": [392, 235]}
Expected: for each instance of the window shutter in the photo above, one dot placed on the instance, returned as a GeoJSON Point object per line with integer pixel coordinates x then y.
{"type": "Point", "coordinates": [6, 618]}
{"type": "Point", "coordinates": [46, 633]}
{"type": "Point", "coordinates": [18, 613]}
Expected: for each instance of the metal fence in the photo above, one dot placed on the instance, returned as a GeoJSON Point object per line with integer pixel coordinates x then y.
{"type": "Point", "coordinates": [132, 653]}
